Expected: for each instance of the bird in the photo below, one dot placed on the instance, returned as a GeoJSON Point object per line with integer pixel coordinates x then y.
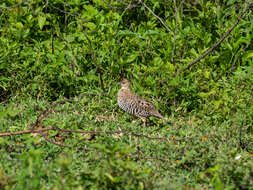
{"type": "Point", "coordinates": [134, 104]}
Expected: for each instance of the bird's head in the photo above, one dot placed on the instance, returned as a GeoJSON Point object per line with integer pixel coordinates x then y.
{"type": "Point", "coordinates": [125, 83]}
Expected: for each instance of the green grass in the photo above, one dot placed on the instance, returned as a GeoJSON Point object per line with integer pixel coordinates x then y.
{"type": "Point", "coordinates": [199, 153]}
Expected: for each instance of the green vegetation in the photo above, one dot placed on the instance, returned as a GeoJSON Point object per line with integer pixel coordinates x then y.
{"type": "Point", "coordinates": [60, 62]}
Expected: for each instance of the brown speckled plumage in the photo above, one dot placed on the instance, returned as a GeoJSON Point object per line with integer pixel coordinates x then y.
{"type": "Point", "coordinates": [134, 104]}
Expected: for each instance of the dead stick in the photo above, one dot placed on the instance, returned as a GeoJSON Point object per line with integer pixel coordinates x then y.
{"type": "Point", "coordinates": [45, 136]}
{"type": "Point", "coordinates": [25, 132]}
{"type": "Point", "coordinates": [80, 132]}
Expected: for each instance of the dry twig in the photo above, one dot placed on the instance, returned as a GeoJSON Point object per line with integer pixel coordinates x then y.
{"type": "Point", "coordinates": [46, 112]}
{"type": "Point", "coordinates": [175, 33]}
{"type": "Point", "coordinates": [2, 134]}
{"type": "Point", "coordinates": [45, 136]}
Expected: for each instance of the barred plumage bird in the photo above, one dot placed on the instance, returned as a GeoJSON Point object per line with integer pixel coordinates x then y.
{"type": "Point", "coordinates": [134, 104]}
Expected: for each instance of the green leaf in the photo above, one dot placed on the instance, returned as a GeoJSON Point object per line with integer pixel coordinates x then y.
{"type": "Point", "coordinates": [249, 55]}
{"type": "Point", "coordinates": [110, 177]}
{"type": "Point", "coordinates": [157, 61]}
{"type": "Point", "coordinates": [126, 33]}
{"type": "Point", "coordinates": [19, 25]}
{"type": "Point", "coordinates": [217, 103]}
{"type": "Point", "coordinates": [41, 21]}
{"type": "Point", "coordinates": [207, 74]}
{"type": "Point", "coordinates": [131, 58]}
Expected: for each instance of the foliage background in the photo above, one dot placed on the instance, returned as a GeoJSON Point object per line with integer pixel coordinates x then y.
{"type": "Point", "coordinates": [53, 50]}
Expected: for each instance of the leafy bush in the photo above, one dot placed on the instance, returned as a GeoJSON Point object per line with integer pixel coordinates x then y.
{"type": "Point", "coordinates": [52, 50]}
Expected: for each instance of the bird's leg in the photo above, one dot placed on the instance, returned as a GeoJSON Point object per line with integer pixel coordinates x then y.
{"type": "Point", "coordinates": [135, 118]}
{"type": "Point", "coordinates": [144, 121]}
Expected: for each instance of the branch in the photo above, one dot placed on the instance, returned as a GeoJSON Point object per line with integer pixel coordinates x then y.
{"type": "Point", "coordinates": [95, 61]}
{"type": "Point", "coordinates": [115, 132]}
{"type": "Point", "coordinates": [45, 136]}
{"type": "Point", "coordinates": [239, 55]}
{"type": "Point", "coordinates": [99, 70]}
{"type": "Point", "coordinates": [241, 15]}
{"type": "Point", "coordinates": [13, 6]}
{"type": "Point", "coordinates": [2, 134]}
{"type": "Point", "coordinates": [46, 112]}
{"type": "Point", "coordinates": [175, 33]}
{"type": "Point", "coordinates": [65, 12]}
{"type": "Point", "coordinates": [156, 16]}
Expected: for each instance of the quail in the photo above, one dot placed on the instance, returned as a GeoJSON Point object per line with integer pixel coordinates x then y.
{"type": "Point", "coordinates": [134, 104]}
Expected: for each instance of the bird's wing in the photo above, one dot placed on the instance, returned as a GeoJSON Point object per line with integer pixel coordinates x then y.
{"type": "Point", "coordinates": [144, 104]}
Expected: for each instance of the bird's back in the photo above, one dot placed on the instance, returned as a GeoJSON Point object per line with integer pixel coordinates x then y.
{"type": "Point", "coordinates": [135, 105]}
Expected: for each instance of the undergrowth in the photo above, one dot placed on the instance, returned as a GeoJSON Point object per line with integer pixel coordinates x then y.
{"type": "Point", "coordinates": [60, 126]}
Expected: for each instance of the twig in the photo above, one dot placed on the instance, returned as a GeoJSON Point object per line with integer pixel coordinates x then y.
{"type": "Point", "coordinates": [109, 5]}
{"type": "Point", "coordinates": [241, 144]}
{"type": "Point", "coordinates": [175, 33]}
{"type": "Point", "coordinates": [65, 17]}
{"type": "Point", "coordinates": [75, 15]}
{"type": "Point", "coordinates": [233, 66]}
{"type": "Point", "coordinates": [241, 15]}
{"type": "Point", "coordinates": [52, 34]}
{"type": "Point", "coordinates": [131, 6]}
{"type": "Point", "coordinates": [114, 132]}
{"type": "Point", "coordinates": [156, 16]}
{"type": "Point", "coordinates": [13, 6]}
{"type": "Point", "coordinates": [45, 136]}
{"type": "Point", "coordinates": [95, 61]}
{"type": "Point", "coordinates": [46, 112]}
{"type": "Point", "coordinates": [91, 47]}
{"type": "Point", "coordinates": [2, 134]}
{"type": "Point", "coordinates": [88, 149]}
{"type": "Point", "coordinates": [99, 70]}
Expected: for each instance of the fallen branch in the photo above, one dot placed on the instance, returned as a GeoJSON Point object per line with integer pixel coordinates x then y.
{"type": "Point", "coordinates": [39, 131]}
{"type": "Point", "coordinates": [45, 136]}
{"type": "Point", "coordinates": [3, 134]}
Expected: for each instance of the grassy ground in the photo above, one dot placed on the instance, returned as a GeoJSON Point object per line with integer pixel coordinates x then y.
{"type": "Point", "coordinates": [191, 151]}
